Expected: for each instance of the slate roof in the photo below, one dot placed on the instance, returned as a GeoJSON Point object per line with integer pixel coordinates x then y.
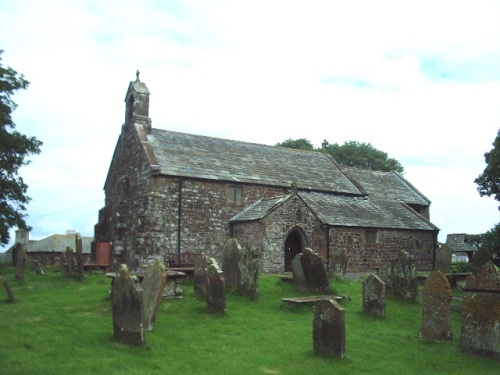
{"type": "Point", "coordinates": [187, 155]}
{"type": "Point", "coordinates": [387, 186]}
{"type": "Point", "coordinates": [458, 243]}
{"type": "Point", "coordinates": [57, 243]}
{"type": "Point", "coordinates": [335, 210]}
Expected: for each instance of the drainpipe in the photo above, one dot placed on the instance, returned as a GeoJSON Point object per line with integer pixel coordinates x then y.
{"type": "Point", "coordinates": [328, 248]}
{"type": "Point", "coordinates": [179, 217]}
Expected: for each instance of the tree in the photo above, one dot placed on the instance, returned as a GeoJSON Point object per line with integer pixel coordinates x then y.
{"type": "Point", "coordinates": [14, 150]}
{"type": "Point", "coordinates": [489, 240]}
{"type": "Point", "coordinates": [363, 155]}
{"type": "Point", "coordinates": [351, 153]}
{"type": "Point", "coordinates": [299, 144]}
{"type": "Point", "coordinates": [489, 181]}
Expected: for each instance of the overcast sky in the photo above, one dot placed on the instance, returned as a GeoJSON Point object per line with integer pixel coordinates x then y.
{"type": "Point", "coordinates": [418, 80]}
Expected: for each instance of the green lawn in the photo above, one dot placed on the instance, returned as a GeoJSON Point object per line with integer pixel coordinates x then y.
{"type": "Point", "coordinates": [62, 326]}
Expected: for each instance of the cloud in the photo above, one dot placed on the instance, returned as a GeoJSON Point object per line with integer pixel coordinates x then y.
{"type": "Point", "coordinates": [417, 80]}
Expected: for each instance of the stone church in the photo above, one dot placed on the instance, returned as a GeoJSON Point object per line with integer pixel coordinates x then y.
{"type": "Point", "coordinates": [172, 193]}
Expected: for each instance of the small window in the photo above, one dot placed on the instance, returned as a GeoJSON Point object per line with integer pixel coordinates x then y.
{"type": "Point", "coordinates": [371, 237]}
{"type": "Point", "coordinates": [235, 194]}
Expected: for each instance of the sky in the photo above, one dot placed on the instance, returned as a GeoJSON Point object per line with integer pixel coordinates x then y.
{"type": "Point", "coordinates": [418, 80]}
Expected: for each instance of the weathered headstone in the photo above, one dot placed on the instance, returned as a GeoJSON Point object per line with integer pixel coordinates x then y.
{"type": "Point", "coordinates": [201, 263]}
{"type": "Point", "coordinates": [481, 313]}
{"type": "Point", "coordinates": [385, 274]}
{"type": "Point", "coordinates": [329, 329]}
{"type": "Point", "coordinates": [70, 263]}
{"type": "Point", "coordinates": [79, 256]}
{"type": "Point", "coordinates": [216, 289]}
{"type": "Point", "coordinates": [128, 309]}
{"type": "Point", "coordinates": [374, 296]}
{"type": "Point", "coordinates": [248, 284]}
{"type": "Point", "coordinates": [481, 257]}
{"type": "Point", "coordinates": [299, 279]}
{"type": "Point", "coordinates": [404, 277]}
{"type": "Point", "coordinates": [443, 259]}
{"type": "Point", "coordinates": [22, 262]}
{"type": "Point", "coordinates": [339, 263]}
{"type": "Point", "coordinates": [436, 311]}
{"type": "Point", "coordinates": [15, 254]}
{"type": "Point", "coordinates": [231, 262]}
{"type": "Point", "coordinates": [10, 294]}
{"type": "Point", "coordinates": [152, 285]}
{"type": "Point", "coordinates": [37, 267]}
{"type": "Point", "coordinates": [315, 272]}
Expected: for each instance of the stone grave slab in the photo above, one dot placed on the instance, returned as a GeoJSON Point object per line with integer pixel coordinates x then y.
{"type": "Point", "coordinates": [329, 329]}
{"type": "Point", "coordinates": [339, 263]}
{"type": "Point", "coordinates": [152, 285]}
{"type": "Point", "coordinates": [436, 310]}
{"type": "Point", "coordinates": [480, 332]}
{"type": "Point", "coordinates": [127, 308]}
{"type": "Point", "coordinates": [79, 257]}
{"type": "Point", "coordinates": [315, 272]}
{"type": "Point", "coordinates": [10, 295]}
{"type": "Point", "coordinates": [216, 289]}
{"type": "Point", "coordinates": [299, 279]}
{"type": "Point", "coordinates": [248, 267]}
{"type": "Point", "coordinates": [201, 263]}
{"type": "Point", "coordinates": [404, 277]}
{"type": "Point", "coordinates": [374, 296]}
{"type": "Point", "coordinates": [443, 259]}
{"type": "Point", "coordinates": [231, 262]}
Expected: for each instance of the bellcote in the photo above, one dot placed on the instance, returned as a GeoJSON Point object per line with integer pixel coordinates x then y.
{"type": "Point", "coordinates": [137, 104]}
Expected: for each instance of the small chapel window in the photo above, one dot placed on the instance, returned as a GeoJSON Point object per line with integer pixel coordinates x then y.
{"type": "Point", "coordinates": [371, 237]}
{"type": "Point", "coordinates": [235, 194]}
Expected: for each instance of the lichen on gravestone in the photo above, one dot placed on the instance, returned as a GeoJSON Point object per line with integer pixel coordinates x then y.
{"type": "Point", "coordinates": [436, 309]}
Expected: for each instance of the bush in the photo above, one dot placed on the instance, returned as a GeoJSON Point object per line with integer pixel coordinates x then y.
{"type": "Point", "coordinates": [461, 267]}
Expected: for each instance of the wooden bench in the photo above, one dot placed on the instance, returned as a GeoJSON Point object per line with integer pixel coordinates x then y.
{"type": "Point", "coordinates": [95, 267]}
{"type": "Point", "coordinates": [310, 299]}
{"type": "Point", "coordinates": [180, 262]}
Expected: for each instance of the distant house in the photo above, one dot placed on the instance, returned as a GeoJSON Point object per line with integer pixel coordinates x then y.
{"type": "Point", "coordinates": [172, 193]}
{"type": "Point", "coordinates": [461, 250]}
{"type": "Point", "coordinates": [48, 250]}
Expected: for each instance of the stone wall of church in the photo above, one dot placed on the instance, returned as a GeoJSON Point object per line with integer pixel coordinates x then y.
{"type": "Point", "coordinates": [366, 254]}
{"type": "Point", "coordinates": [196, 212]}
{"type": "Point", "coordinates": [269, 234]}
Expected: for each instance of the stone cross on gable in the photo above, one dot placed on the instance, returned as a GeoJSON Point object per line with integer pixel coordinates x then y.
{"type": "Point", "coordinates": [137, 76]}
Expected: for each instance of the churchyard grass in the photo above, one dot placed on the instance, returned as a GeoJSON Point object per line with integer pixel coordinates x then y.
{"type": "Point", "coordinates": [62, 326]}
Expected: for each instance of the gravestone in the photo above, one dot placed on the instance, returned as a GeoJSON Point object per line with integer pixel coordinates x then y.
{"type": "Point", "coordinates": [443, 259]}
{"type": "Point", "coordinates": [481, 257]}
{"type": "Point", "coordinates": [37, 267]}
{"type": "Point", "coordinates": [329, 329]}
{"type": "Point", "coordinates": [248, 285]}
{"type": "Point", "coordinates": [152, 285]}
{"type": "Point", "coordinates": [10, 295]}
{"type": "Point", "coordinates": [231, 262]}
{"type": "Point", "coordinates": [374, 296]}
{"type": "Point", "coordinates": [70, 263]}
{"type": "Point", "coordinates": [128, 308]}
{"type": "Point", "coordinates": [404, 277]}
{"type": "Point", "coordinates": [339, 263]}
{"type": "Point", "coordinates": [15, 254]}
{"type": "Point", "coordinates": [436, 310]}
{"type": "Point", "coordinates": [22, 262]}
{"type": "Point", "coordinates": [201, 263]}
{"type": "Point", "coordinates": [315, 272]}
{"type": "Point", "coordinates": [299, 279]}
{"type": "Point", "coordinates": [481, 313]}
{"type": "Point", "coordinates": [79, 256]}
{"type": "Point", "coordinates": [216, 289]}
{"type": "Point", "coordinates": [385, 274]}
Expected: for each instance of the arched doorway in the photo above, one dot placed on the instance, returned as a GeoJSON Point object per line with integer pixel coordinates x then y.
{"type": "Point", "coordinates": [293, 246]}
